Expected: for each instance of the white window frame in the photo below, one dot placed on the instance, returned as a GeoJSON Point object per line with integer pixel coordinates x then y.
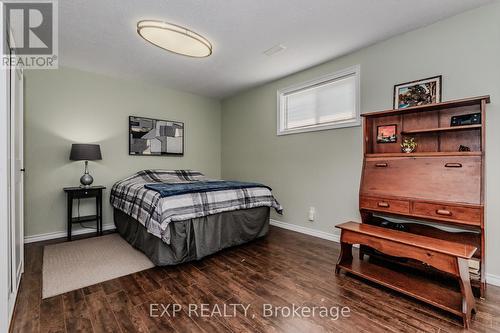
{"type": "Point", "coordinates": [281, 93]}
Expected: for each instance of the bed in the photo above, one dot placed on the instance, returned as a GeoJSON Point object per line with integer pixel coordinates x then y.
{"type": "Point", "coordinates": [181, 215]}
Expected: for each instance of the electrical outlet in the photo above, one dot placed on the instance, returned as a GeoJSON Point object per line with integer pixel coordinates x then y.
{"type": "Point", "coordinates": [312, 214]}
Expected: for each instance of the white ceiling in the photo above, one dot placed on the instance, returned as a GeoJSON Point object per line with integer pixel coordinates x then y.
{"type": "Point", "coordinates": [100, 36]}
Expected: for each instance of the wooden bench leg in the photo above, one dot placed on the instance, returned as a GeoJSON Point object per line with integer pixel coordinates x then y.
{"type": "Point", "coordinates": [482, 289]}
{"type": "Point", "coordinates": [366, 217]}
{"type": "Point", "coordinates": [345, 255]}
{"type": "Point", "coordinates": [468, 301]}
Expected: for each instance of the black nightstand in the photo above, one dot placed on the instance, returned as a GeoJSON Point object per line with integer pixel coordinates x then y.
{"type": "Point", "coordinates": [83, 193]}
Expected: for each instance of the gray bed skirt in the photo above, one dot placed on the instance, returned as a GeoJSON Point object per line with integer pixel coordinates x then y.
{"type": "Point", "coordinates": [196, 238]}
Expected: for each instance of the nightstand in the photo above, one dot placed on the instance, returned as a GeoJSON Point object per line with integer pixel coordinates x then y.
{"type": "Point", "coordinates": [84, 193]}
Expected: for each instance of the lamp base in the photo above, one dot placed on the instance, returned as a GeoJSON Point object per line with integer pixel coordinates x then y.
{"type": "Point", "coordinates": [86, 180]}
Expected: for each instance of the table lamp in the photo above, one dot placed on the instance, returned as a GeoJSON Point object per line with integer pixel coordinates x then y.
{"type": "Point", "coordinates": [85, 152]}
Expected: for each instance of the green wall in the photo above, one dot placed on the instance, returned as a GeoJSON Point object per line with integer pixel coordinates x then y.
{"type": "Point", "coordinates": [322, 169]}
{"type": "Point", "coordinates": [319, 169]}
{"type": "Point", "coordinates": [68, 106]}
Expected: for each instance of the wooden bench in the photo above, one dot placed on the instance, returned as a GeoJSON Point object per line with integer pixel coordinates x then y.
{"type": "Point", "coordinates": [449, 257]}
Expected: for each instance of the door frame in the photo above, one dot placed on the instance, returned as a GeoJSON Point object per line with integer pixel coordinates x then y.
{"type": "Point", "coordinates": [12, 111]}
{"type": "Point", "coordinates": [4, 193]}
{"type": "Point", "coordinates": [15, 171]}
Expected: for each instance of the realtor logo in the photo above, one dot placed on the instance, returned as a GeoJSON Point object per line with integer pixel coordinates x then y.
{"type": "Point", "coordinates": [31, 30]}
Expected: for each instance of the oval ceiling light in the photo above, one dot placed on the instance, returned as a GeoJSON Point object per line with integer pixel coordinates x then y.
{"type": "Point", "coordinates": [174, 38]}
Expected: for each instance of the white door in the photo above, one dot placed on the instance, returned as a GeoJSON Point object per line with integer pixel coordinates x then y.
{"type": "Point", "coordinates": [18, 172]}
{"type": "Point", "coordinates": [17, 182]}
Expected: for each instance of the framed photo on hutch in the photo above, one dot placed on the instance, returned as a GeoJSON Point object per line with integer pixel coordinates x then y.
{"type": "Point", "coordinates": [419, 92]}
{"type": "Point", "coordinates": [387, 134]}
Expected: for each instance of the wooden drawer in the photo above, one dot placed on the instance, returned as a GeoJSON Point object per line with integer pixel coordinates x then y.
{"type": "Point", "coordinates": [385, 205]}
{"type": "Point", "coordinates": [90, 193]}
{"type": "Point", "coordinates": [464, 215]}
{"type": "Point", "coordinates": [449, 179]}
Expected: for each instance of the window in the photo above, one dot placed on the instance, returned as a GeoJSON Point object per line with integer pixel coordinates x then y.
{"type": "Point", "coordinates": [328, 102]}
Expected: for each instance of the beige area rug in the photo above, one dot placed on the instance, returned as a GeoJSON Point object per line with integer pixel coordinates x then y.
{"type": "Point", "coordinates": [73, 265]}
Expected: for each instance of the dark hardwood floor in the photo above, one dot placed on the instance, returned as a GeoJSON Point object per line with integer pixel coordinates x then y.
{"type": "Point", "coordinates": [282, 269]}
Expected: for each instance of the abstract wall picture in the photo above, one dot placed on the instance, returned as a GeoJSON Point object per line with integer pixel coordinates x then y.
{"type": "Point", "coordinates": [387, 134]}
{"type": "Point", "coordinates": [419, 92]}
{"type": "Point", "coordinates": [155, 137]}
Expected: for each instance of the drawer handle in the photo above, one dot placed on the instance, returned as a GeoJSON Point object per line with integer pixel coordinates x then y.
{"type": "Point", "coordinates": [381, 165]}
{"type": "Point", "coordinates": [443, 212]}
{"type": "Point", "coordinates": [453, 165]}
{"type": "Point", "coordinates": [383, 204]}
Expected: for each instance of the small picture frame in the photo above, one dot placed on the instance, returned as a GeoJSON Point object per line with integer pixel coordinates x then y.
{"type": "Point", "coordinates": [416, 93]}
{"type": "Point", "coordinates": [387, 134]}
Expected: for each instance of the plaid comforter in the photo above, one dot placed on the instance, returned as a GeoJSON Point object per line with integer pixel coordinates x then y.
{"type": "Point", "coordinates": [155, 213]}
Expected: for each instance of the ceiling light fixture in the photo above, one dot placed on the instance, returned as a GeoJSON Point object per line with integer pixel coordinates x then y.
{"type": "Point", "coordinates": [174, 38]}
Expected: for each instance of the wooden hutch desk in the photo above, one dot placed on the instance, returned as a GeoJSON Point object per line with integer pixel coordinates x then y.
{"type": "Point", "coordinates": [437, 183]}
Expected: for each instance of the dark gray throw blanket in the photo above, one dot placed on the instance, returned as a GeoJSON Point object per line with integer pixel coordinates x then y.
{"type": "Point", "coordinates": [169, 189]}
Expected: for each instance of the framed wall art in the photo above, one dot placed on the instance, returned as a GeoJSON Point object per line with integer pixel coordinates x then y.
{"type": "Point", "coordinates": [155, 137]}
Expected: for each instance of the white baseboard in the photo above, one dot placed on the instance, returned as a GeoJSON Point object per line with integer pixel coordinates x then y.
{"type": "Point", "coordinates": [493, 279]}
{"type": "Point", "coordinates": [490, 278]}
{"type": "Point", "coordinates": [61, 234]}
{"type": "Point", "coordinates": [307, 231]}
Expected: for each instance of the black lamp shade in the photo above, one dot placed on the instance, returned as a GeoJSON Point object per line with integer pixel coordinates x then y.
{"type": "Point", "coordinates": [85, 152]}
